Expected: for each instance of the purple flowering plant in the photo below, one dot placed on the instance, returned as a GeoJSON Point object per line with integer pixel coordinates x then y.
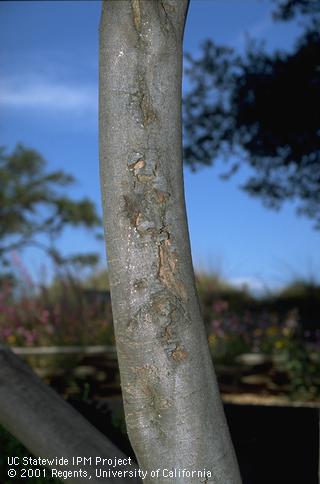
{"type": "Point", "coordinates": [37, 315]}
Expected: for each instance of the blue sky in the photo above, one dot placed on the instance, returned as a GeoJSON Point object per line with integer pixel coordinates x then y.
{"type": "Point", "coordinates": [48, 101]}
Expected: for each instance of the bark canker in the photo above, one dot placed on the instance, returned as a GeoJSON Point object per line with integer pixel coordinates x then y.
{"type": "Point", "coordinates": [173, 410]}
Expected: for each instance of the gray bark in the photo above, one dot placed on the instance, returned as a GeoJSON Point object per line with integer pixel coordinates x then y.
{"type": "Point", "coordinates": [174, 415]}
{"type": "Point", "coordinates": [47, 425]}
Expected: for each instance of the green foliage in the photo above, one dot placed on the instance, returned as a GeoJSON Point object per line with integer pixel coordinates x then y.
{"type": "Point", "coordinates": [304, 297]}
{"type": "Point", "coordinates": [118, 420]}
{"type": "Point", "coordinates": [98, 280]}
{"type": "Point", "coordinates": [303, 368]}
{"type": "Point", "coordinates": [300, 288]}
{"type": "Point", "coordinates": [271, 327]}
{"type": "Point", "coordinates": [73, 312]}
{"type": "Point", "coordinates": [212, 288]}
{"type": "Point", "coordinates": [33, 204]}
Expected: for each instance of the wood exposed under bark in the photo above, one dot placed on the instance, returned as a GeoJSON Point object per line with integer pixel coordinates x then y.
{"type": "Point", "coordinates": [47, 425]}
{"type": "Point", "coordinates": [174, 415]}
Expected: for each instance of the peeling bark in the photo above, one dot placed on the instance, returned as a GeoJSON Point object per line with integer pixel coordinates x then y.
{"type": "Point", "coordinates": [173, 410]}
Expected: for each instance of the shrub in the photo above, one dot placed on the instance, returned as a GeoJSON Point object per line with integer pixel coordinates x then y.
{"type": "Point", "coordinates": [56, 316]}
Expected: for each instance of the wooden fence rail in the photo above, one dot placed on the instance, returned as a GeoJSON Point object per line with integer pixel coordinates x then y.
{"type": "Point", "coordinates": [57, 350]}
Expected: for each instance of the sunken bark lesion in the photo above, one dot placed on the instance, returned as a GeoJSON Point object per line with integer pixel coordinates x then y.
{"type": "Point", "coordinates": [136, 10]}
{"type": "Point", "coordinates": [164, 12]}
{"type": "Point", "coordinates": [146, 207]}
{"type": "Point", "coordinates": [161, 341]}
{"type": "Point", "coordinates": [168, 269]}
{"type": "Point", "coordinates": [140, 104]}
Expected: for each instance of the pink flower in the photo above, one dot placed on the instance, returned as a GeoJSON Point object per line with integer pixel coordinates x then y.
{"type": "Point", "coordinates": [220, 306]}
{"type": "Point", "coordinates": [44, 316]}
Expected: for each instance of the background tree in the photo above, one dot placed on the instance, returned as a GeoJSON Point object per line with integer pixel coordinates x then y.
{"type": "Point", "coordinates": [261, 109]}
{"type": "Point", "coordinates": [34, 207]}
{"type": "Point", "coordinates": [287, 9]}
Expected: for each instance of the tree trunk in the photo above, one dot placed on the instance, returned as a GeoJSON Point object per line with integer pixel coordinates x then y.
{"type": "Point", "coordinates": [174, 415]}
{"type": "Point", "coordinates": [48, 426]}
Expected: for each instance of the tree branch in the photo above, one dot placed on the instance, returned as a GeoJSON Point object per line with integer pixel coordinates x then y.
{"type": "Point", "coordinates": [47, 425]}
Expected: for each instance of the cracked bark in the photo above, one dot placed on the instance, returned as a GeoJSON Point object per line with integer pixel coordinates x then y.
{"type": "Point", "coordinates": [173, 410]}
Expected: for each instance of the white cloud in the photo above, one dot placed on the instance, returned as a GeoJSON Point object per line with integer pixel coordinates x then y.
{"type": "Point", "coordinates": [45, 94]}
{"type": "Point", "coordinates": [251, 283]}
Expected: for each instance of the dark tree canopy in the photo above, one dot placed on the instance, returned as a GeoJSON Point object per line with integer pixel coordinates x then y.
{"type": "Point", "coordinates": [263, 109]}
{"type": "Point", "coordinates": [287, 9]}
{"type": "Point", "coordinates": [34, 203]}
